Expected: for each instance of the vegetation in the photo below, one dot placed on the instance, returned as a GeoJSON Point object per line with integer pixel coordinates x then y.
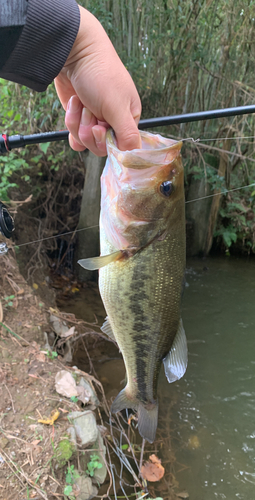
{"type": "Point", "coordinates": [184, 57]}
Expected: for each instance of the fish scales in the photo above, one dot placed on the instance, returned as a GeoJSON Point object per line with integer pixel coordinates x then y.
{"type": "Point", "coordinates": [142, 239]}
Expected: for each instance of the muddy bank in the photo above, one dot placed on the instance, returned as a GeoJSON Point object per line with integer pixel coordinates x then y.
{"type": "Point", "coordinates": [38, 456]}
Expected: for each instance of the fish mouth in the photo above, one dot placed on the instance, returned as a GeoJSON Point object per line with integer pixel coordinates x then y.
{"type": "Point", "coordinates": [156, 151]}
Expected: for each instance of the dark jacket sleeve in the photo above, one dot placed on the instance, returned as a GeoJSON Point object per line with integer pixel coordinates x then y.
{"type": "Point", "coordinates": [37, 37]}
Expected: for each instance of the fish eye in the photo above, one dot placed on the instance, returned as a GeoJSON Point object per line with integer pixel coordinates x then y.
{"type": "Point", "coordinates": [166, 188]}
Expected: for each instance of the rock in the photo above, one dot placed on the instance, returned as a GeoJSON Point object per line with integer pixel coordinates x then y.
{"type": "Point", "coordinates": [89, 389]}
{"type": "Point", "coordinates": [86, 489]}
{"type": "Point", "coordinates": [72, 434]}
{"type": "Point", "coordinates": [3, 442]}
{"type": "Point", "coordinates": [59, 326]}
{"type": "Point", "coordinates": [100, 474]}
{"type": "Point", "coordinates": [85, 427]}
{"type": "Point", "coordinates": [65, 384]}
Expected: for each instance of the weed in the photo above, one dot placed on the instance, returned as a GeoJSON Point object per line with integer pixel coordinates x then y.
{"type": "Point", "coordinates": [52, 354]}
{"type": "Point", "coordinates": [74, 399]}
{"type": "Point", "coordinates": [71, 475]}
{"type": "Point", "coordinates": [93, 465]}
{"type": "Point", "coordinates": [9, 300]}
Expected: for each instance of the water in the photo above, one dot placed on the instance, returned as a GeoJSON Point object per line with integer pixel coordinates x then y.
{"type": "Point", "coordinates": [214, 416]}
{"type": "Point", "coordinates": [213, 419]}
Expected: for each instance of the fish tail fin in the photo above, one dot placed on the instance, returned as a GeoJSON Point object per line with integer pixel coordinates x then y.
{"type": "Point", "coordinates": [147, 418]}
{"type": "Point", "coordinates": [147, 422]}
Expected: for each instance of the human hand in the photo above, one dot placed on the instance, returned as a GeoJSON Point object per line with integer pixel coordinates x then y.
{"type": "Point", "coordinates": [97, 92]}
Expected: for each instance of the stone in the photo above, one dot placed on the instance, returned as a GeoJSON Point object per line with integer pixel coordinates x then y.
{"type": "Point", "coordinates": [85, 427]}
{"type": "Point", "coordinates": [89, 389]}
{"type": "Point", "coordinates": [86, 490]}
{"type": "Point", "coordinates": [3, 442]}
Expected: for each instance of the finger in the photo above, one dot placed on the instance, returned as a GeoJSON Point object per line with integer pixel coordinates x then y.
{"type": "Point", "coordinates": [99, 133]}
{"type": "Point", "coordinates": [86, 136]}
{"type": "Point", "coordinates": [128, 138]}
{"type": "Point", "coordinates": [73, 116]}
{"type": "Point", "coordinates": [76, 146]}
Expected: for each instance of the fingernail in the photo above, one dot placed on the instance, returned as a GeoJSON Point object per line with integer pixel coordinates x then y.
{"type": "Point", "coordinates": [97, 134]}
{"type": "Point", "coordinates": [73, 104]}
{"type": "Point", "coordinates": [86, 117]}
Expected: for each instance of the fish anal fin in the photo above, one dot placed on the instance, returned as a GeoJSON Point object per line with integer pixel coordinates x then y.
{"type": "Point", "coordinates": [148, 422]}
{"type": "Point", "coordinates": [94, 263]}
{"type": "Point", "coordinates": [121, 402]}
{"type": "Point", "coordinates": [175, 363]}
{"type": "Point", "coordinates": [107, 329]}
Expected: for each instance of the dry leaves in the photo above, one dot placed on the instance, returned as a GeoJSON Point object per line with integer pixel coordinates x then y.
{"type": "Point", "coordinates": [50, 421]}
{"type": "Point", "coordinates": [153, 471]}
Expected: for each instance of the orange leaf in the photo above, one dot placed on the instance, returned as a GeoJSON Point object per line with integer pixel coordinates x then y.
{"type": "Point", "coordinates": [153, 471]}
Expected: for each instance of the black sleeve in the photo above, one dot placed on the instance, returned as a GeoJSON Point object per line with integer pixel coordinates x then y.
{"type": "Point", "coordinates": [37, 40]}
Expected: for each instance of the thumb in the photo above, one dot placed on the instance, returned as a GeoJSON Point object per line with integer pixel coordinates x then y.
{"type": "Point", "coordinates": [128, 136]}
{"type": "Point", "coordinates": [125, 126]}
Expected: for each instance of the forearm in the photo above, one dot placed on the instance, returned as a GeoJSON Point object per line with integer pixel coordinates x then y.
{"type": "Point", "coordinates": [42, 44]}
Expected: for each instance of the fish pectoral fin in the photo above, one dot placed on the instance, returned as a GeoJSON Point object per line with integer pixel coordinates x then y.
{"type": "Point", "coordinates": [107, 329]}
{"type": "Point", "coordinates": [94, 263]}
{"type": "Point", "coordinates": [175, 363]}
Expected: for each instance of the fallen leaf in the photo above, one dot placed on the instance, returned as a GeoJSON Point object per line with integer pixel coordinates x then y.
{"type": "Point", "coordinates": [154, 459]}
{"type": "Point", "coordinates": [35, 442]}
{"type": "Point", "coordinates": [40, 357]}
{"type": "Point", "coordinates": [182, 494]}
{"type": "Point", "coordinates": [65, 384]}
{"type": "Point", "coordinates": [50, 421]}
{"type": "Point", "coordinates": [35, 286]}
{"type": "Point", "coordinates": [153, 471]}
{"type": "Point", "coordinates": [21, 291]}
{"type": "Point", "coordinates": [69, 332]}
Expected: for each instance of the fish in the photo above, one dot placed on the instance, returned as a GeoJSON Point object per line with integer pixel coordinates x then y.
{"type": "Point", "coordinates": [141, 268]}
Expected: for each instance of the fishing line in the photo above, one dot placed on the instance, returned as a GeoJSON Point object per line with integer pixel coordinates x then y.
{"type": "Point", "coordinates": [57, 235]}
{"type": "Point", "coordinates": [215, 139]}
{"type": "Point", "coordinates": [93, 227]}
{"type": "Point", "coordinates": [221, 192]}
{"type": "Point", "coordinates": [195, 141]}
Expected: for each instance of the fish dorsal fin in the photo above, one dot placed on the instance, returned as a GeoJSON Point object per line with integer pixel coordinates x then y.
{"type": "Point", "coordinates": [175, 363]}
{"type": "Point", "coordinates": [107, 329]}
{"type": "Point", "coordinates": [94, 263]}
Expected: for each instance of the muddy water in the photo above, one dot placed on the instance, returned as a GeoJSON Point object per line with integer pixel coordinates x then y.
{"type": "Point", "coordinates": [213, 419]}
{"type": "Point", "coordinates": [216, 404]}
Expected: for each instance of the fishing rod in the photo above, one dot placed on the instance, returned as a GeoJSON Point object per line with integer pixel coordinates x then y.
{"type": "Point", "coordinates": [7, 143]}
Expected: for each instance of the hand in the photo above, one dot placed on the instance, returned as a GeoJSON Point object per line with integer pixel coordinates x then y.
{"type": "Point", "coordinates": [97, 92]}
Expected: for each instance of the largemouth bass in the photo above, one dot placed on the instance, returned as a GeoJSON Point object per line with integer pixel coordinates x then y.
{"type": "Point", "coordinates": [142, 263]}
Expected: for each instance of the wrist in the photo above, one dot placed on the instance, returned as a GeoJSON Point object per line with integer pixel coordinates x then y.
{"type": "Point", "coordinates": [90, 36]}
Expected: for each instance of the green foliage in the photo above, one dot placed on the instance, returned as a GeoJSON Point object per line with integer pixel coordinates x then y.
{"type": "Point", "coordinates": [52, 354]}
{"type": "Point", "coordinates": [93, 464]}
{"type": "Point", "coordinates": [74, 399]}
{"type": "Point", "coordinates": [10, 164]}
{"type": "Point", "coordinates": [71, 476]}
{"type": "Point", "coordinates": [9, 300]}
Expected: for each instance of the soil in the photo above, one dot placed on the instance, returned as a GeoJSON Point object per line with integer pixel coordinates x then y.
{"type": "Point", "coordinates": [28, 464]}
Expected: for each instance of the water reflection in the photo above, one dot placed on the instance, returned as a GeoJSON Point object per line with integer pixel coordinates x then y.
{"type": "Point", "coordinates": [214, 413]}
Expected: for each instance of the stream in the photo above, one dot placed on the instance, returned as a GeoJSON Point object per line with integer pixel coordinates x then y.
{"type": "Point", "coordinates": [216, 404]}
{"type": "Point", "coordinates": [213, 415]}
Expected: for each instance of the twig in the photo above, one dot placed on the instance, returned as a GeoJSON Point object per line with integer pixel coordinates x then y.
{"type": "Point", "coordinates": [20, 471]}
{"type": "Point", "coordinates": [141, 456]}
{"type": "Point", "coordinates": [13, 409]}
{"type": "Point", "coordinates": [14, 334]}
